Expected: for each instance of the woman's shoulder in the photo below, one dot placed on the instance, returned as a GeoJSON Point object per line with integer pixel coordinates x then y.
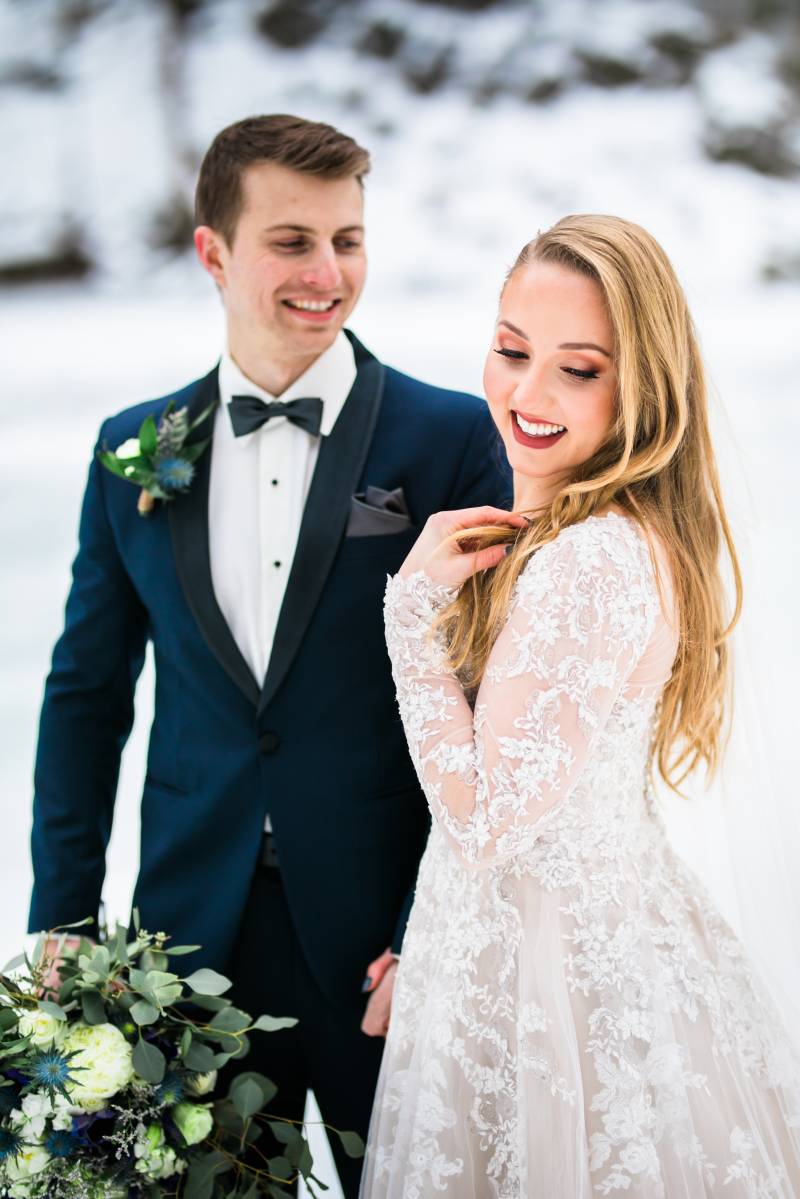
{"type": "Point", "coordinates": [600, 560]}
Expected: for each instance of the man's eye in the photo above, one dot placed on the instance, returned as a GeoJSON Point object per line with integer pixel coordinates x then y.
{"type": "Point", "coordinates": [517, 355]}
{"type": "Point", "coordinates": [296, 243]}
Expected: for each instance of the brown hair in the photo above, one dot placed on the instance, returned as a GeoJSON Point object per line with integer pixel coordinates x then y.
{"type": "Point", "coordinates": [306, 146]}
{"type": "Point", "coordinates": [656, 464]}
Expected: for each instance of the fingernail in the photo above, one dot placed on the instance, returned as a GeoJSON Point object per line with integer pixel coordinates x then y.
{"type": "Point", "coordinates": [367, 983]}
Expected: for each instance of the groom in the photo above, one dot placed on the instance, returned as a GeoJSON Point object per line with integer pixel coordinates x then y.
{"type": "Point", "coordinates": [282, 822]}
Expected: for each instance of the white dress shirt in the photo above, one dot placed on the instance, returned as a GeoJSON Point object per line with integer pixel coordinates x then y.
{"type": "Point", "coordinates": [257, 493]}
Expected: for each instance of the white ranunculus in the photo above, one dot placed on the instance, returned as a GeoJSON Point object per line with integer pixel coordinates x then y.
{"type": "Point", "coordinates": [30, 1160]}
{"type": "Point", "coordinates": [102, 1066]}
{"type": "Point", "coordinates": [129, 448]}
{"type": "Point", "coordinates": [42, 1028]}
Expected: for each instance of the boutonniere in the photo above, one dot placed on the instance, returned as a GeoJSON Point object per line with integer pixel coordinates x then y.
{"type": "Point", "coordinates": [158, 460]}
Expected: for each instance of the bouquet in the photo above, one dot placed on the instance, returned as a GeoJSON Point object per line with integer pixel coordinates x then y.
{"type": "Point", "coordinates": [107, 1080]}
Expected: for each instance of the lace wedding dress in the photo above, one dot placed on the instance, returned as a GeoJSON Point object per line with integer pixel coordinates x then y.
{"type": "Point", "coordinates": [571, 1017]}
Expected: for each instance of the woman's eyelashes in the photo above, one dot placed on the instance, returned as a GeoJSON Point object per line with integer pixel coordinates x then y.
{"type": "Point", "coordinates": [579, 374]}
{"type": "Point", "coordinates": [521, 356]}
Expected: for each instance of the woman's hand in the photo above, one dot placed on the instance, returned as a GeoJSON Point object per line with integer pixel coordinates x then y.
{"type": "Point", "coordinates": [445, 561]}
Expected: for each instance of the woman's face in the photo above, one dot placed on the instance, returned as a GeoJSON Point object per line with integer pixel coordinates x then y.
{"type": "Point", "coordinates": [549, 376]}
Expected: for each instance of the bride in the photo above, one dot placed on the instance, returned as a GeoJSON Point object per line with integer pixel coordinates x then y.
{"type": "Point", "coordinates": [571, 1015]}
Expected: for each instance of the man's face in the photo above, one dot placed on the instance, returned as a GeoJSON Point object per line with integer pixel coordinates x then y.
{"type": "Point", "coordinates": [296, 265]}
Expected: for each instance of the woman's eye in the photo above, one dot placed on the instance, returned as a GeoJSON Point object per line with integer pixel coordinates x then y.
{"type": "Point", "coordinates": [573, 370]}
{"type": "Point", "coordinates": [347, 244]}
{"type": "Point", "coordinates": [517, 355]}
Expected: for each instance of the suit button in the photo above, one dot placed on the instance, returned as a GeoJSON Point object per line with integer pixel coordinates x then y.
{"type": "Point", "coordinates": [268, 742]}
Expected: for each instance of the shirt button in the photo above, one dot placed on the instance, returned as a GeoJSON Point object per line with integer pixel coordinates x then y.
{"type": "Point", "coordinates": [274, 482]}
{"type": "Point", "coordinates": [276, 563]}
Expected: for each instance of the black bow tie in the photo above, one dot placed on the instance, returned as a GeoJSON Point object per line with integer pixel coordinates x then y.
{"type": "Point", "coordinates": [249, 413]}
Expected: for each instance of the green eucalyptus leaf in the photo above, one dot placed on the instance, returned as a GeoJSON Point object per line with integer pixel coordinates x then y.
{"type": "Point", "coordinates": [144, 1013]}
{"type": "Point", "coordinates": [210, 1003]}
{"type": "Point", "coordinates": [15, 963]}
{"type": "Point", "coordinates": [202, 1172]}
{"type": "Point", "coordinates": [284, 1132]}
{"type": "Point", "coordinates": [305, 1161]}
{"type": "Point", "coordinates": [137, 921]}
{"type": "Point", "coordinates": [39, 948]}
{"type": "Point", "coordinates": [93, 1008]}
{"type": "Point", "coordinates": [121, 945]}
{"type": "Point", "coordinates": [231, 1020]}
{"type": "Point", "coordinates": [148, 436]}
{"type": "Point", "coordinates": [247, 1098]}
{"type": "Point", "coordinates": [281, 1167]}
{"type": "Point", "coordinates": [273, 1023]}
{"type": "Point", "coordinates": [52, 1009]}
{"type": "Point", "coordinates": [8, 1019]}
{"type": "Point", "coordinates": [186, 1040]}
{"type": "Point", "coordinates": [199, 1057]}
{"type": "Point", "coordinates": [351, 1143]}
{"type": "Point", "coordinates": [208, 982]}
{"type": "Point", "coordinates": [177, 950]}
{"type": "Point", "coordinates": [267, 1086]}
{"type": "Point", "coordinates": [149, 1062]}
{"type": "Point", "coordinates": [154, 960]}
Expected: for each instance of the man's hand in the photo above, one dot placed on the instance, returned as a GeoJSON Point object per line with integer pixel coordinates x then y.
{"type": "Point", "coordinates": [380, 983]}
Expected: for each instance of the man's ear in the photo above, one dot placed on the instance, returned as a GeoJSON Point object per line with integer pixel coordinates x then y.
{"type": "Point", "coordinates": [211, 250]}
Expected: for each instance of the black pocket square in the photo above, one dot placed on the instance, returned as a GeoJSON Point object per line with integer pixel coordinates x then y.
{"type": "Point", "coordinates": [375, 511]}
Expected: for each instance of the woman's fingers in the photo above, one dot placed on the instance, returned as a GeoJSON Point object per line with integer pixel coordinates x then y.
{"type": "Point", "coordinates": [470, 518]}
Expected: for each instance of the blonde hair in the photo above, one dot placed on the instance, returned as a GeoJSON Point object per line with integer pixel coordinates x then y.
{"type": "Point", "coordinates": [656, 464]}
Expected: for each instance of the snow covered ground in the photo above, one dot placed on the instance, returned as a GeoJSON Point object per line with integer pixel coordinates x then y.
{"type": "Point", "coordinates": [455, 191]}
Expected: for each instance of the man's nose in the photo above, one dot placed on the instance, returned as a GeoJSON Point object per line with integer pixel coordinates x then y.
{"type": "Point", "coordinates": [323, 270]}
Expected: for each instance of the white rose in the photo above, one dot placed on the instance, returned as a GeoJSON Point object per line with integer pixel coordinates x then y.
{"type": "Point", "coordinates": [102, 1066]}
{"type": "Point", "coordinates": [129, 448]}
{"type": "Point", "coordinates": [41, 1027]}
{"type": "Point", "coordinates": [30, 1160]}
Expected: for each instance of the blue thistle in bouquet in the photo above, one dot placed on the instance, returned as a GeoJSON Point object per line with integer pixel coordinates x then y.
{"type": "Point", "coordinates": [107, 1079]}
{"type": "Point", "coordinates": [161, 459]}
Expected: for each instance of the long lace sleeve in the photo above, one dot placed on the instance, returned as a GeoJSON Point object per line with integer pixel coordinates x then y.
{"type": "Point", "coordinates": [583, 613]}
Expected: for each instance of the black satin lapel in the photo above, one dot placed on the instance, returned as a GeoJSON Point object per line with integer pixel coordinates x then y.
{"type": "Point", "coordinates": [188, 522]}
{"type": "Point", "coordinates": [341, 460]}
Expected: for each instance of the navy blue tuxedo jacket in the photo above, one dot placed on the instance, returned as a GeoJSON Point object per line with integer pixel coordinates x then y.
{"type": "Point", "coordinates": [317, 744]}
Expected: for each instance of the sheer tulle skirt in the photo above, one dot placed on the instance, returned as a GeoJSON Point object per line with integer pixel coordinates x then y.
{"type": "Point", "coordinates": [579, 1048]}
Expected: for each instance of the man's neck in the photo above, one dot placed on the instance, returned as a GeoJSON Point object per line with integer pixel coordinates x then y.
{"type": "Point", "coordinates": [271, 373]}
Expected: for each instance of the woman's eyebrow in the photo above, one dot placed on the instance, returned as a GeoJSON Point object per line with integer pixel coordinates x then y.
{"type": "Point", "coordinates": [583, 345]}
{"type": "Point", "coordinates": [514, 329]}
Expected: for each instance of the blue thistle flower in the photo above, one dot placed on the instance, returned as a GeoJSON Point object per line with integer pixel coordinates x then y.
{"type": "Point", "coordinates": [10, 1143]}
{"type": "Point", "coordinates": [61, 1143]}
{"type": "Point", "coordinates": [171, 1090]}
{"type": "Point", "coordinates": [50, 1070]}
{"type": "Point", "coordinates": [174, 474]}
